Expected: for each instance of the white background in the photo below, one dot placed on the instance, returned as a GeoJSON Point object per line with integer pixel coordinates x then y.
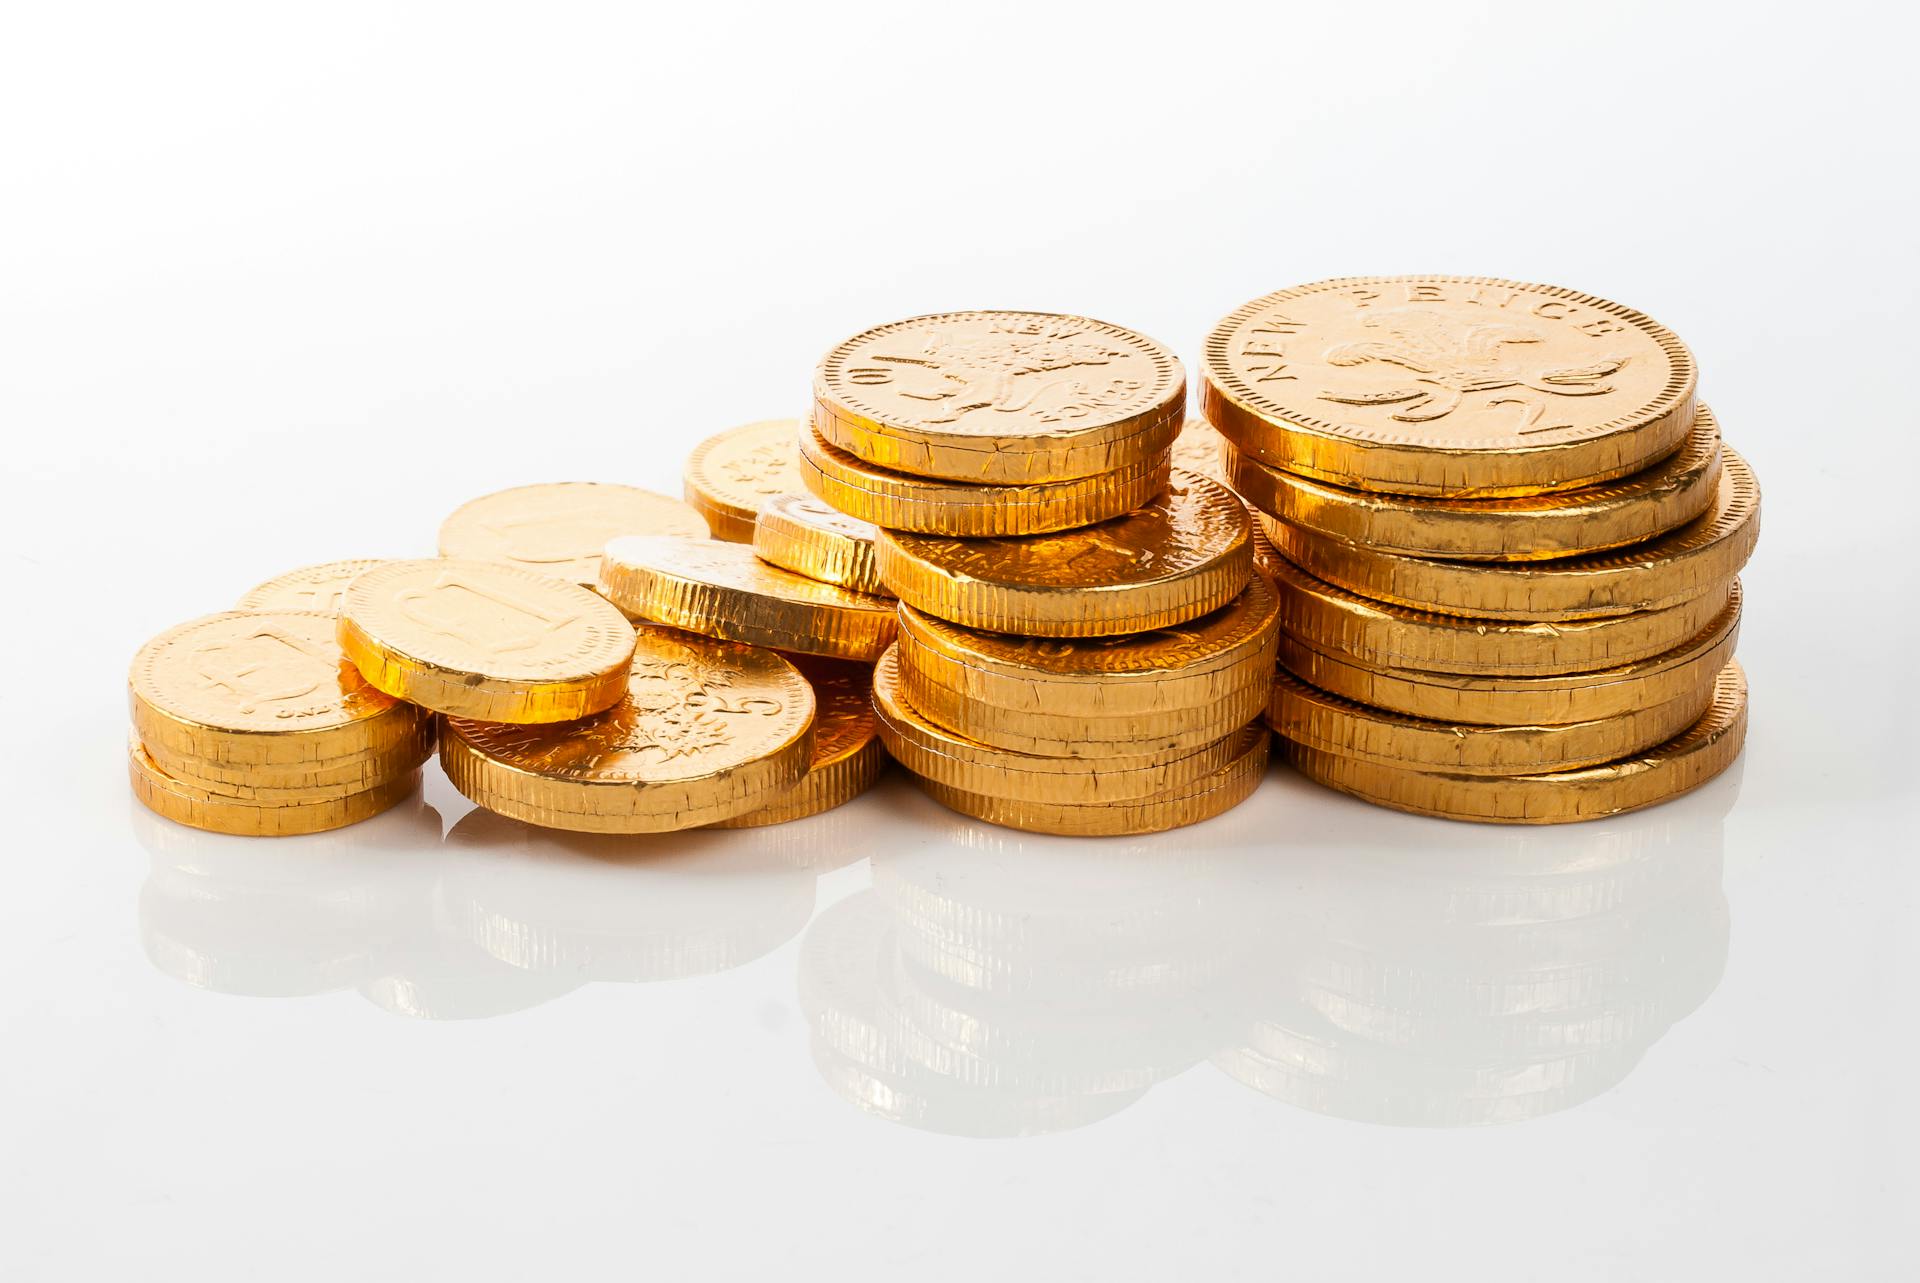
{"type": "Point", "coordinates": [287, 283]}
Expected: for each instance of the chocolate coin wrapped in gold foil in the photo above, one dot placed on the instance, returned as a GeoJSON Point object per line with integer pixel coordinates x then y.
{"type": "Point", "coordinates": [1448, 385]}
{"type": "Point", "coordinates": [707, 730]}
{"type": "Point", "coordinates": [308, 588]}
{"type": "Point", "coordinates": [1000, 397]}
{"type": "Point", "coordinates": [1190, 803]}
{"type": "Point", "coordinates": [730, 474]}
{"type": "Point", "coordinates": [1564, 523]}
{"type": "Point", "coordinates": [1660, 573]}
{"type": "Point", "coordinates": [928, 749]}
{"type": "Point", "coordinates": [723, 590]}
{"type": "Point", "coordinates": [1688, 669]}
{"type": "Point", "coordinates": [847, 753]}
{"type": "Point", "coordinates": [1665, 771]}
{"type": "Point", "coordinates": [798, 532]}
{"type": "Point", "coordinates": [1311, 717]}
{"type": "Point", "coordinates": [263, 689]}
{"type": "Point", "coordinates": [199, 808]}
{"type": "Point", "coordinates": [484, 639]}
{"type": "Point", "coordinates": [1183, 666]}
{"type": "Point", "coordinates": [559, 529]}
{"type": "Point", "coordinates": [1187, 552]}
{"type": "Point", "coordinates": [898, 501]}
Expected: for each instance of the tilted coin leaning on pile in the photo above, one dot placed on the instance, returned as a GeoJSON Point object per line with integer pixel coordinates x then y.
{"type": "Point", "coordinates": [1468, 547]}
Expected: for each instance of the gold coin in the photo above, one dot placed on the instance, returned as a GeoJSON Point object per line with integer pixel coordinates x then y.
{"type": "Point", "coordinates": [1666, 771]}
{"type": "Point", "coordinates": [1562, 524]}
{"type": "Point", "coordinates": [898, 501]}
{"type": "Point", "coordinates": [797, 532]}
{"type": "Point", "coordinates": [1191, 803]}
{"type": "Point", "coordinates": [847, 753]}
{"type": "Point", "coordinates": [184, 804]}
{"type": "Point", "coordinates": [1000, 397]}
{"type": "Point", "coordinates": [1187, 552]}
{"type": "Point", "coordinates": [707, 730]}
{"type": "Point", "coordinates": [1310, 716]}
{"type": "Point", "coordinates": [261, 689]}
{"type": "Point", "coordinates": [308, 588]}
{"type": "Point", "coordinates": [306, 781]}
{"type": "Point", "coordinates": [559, 529]}
{"type": "Point", "coordinates": [928, 749]}
{"type": "Point", "coordinates": [1661, 572]}
{"type": "Point", "coordinates": [1201, 449]}
{"type": "Point", "coordinates": [1060, 734]}
{"type": "Point", "coordinates": [487, 640]}
{"type": "Point", "coordinates": [1448, 385]}
{"type": "Point", "coordinates": [1520, 701]}
{"type": "Point", "coordinates": [1179, 667]}
{"type": "Point", "coordinates": [1334, 621]}
{"type": "Point", "coordinates": [729, 475]}
{"type": "Point", "coordinates": [723, 590]}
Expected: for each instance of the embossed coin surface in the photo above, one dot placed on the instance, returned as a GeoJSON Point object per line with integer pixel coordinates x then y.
{"type": "Point", "coordinates": [706, 730]}
{"type": "Point", "coordinates": [559, 529]}
{"type": "Point", "coordinates": [1448, 385]}
{"type": "Point", "coordinates": [1530, 528]}
{"type": "Point", "coordinates": [1185, 553]}
{"type": "Point", "coordinates": [1678, 566]}
{"type": "Point", "coordinates": [1665, 771]}
{"type": "Point", "coordinates": [730, 474]}
{"type": "Point", "coordinates": [847, 753]}
{"type": "Point", "coordinates": [308, 588]}
{"type": "Point", "coordinates": [261, 689]}
{"type": "Point", "coordinates": [1000, 396]}
{"type": "Point", "coordinates": [800, 533]}
{"type": "Point", "coordinates": [485, 639]}
{"type": "Point", "coordinates": [722, 590]}
{"type": "Point", "coordinates": [1188, 664]}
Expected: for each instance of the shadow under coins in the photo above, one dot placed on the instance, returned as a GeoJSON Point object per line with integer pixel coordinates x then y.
{"type": "Point", "coordinates": [1342, 958]}
{"type": "Point", "coordinates": [496, 918]}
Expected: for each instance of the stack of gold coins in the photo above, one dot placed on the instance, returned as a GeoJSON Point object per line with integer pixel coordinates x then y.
{"type": "Point", "coordinates": [252, 722]}
{"type": "Point", "coordinates": [1079, 648]}
{"type": "Point", "coordinates": [1508, 537]}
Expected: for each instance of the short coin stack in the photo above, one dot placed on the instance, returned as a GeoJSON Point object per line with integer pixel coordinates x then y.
{"type": "Point", "coordinates": [1509, 536]}
{"type": "Point", "coordinates": [1081, 642]}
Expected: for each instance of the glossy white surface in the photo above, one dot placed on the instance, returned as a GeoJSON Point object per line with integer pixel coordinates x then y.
{"type": "Point", "coordinates": [283, 286]}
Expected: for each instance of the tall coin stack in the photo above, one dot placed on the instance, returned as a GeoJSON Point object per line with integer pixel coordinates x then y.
{"type": "Point", "coordinates": [1082, 644]}
{"type": "Point", "coordinates": [1508, 539]}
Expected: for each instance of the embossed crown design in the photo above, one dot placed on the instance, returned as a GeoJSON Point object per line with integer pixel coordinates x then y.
{"type": "Point", "coordinates": [1451, 359]}
{"type": "Point", "coordinates": [995, 372]}
{"type": "Point", "coordinates": [763, 469]}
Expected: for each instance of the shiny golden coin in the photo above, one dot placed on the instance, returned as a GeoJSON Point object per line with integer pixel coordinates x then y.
{"type": "Point", "coordinates": [261, 689]}
{"type": "Point", "coordinates": [1688, 668]}
{"type": "Point", "coordinates": [1187, 552]}
{"type": "Point", "coordinates": [723, 590]}
{"type": "Point", "coordinates": [487, 640]}
{"type": "Point", "coordinates": [307, 781]}
{"type": "Point", "coordinates": [1191, 803]}
{"type": "Point", "coordinates": [800, 533]}
{"type": "Point", "coordinates": [1184, 666]}
{"type": "Point", "coordinates": [900, 502]}
{"type": "Point", "coordinates": [1448, 385]}
{"type": "Point", "coordinates": [1201, 449]}
{"type": "Point", "coordinates": [928, 749]}
{"type": "Point", "coordinates": [308, 588]}
{"type": "Point", "coordinates": [1666, 771]}
{"type": "Point", "coordinates": [1059, 734]}
{"type": "Point", "coordinates": [1662, 572]}
{"type": "Point", "coordinates": [729, 475]}
{"type": "Point", "coordinates": [559, 529]}
{"type": "Point", "coordinates": [1334, 621]}
{"type": "Point", "coordinates": [707, 730]}
{"type": "Point", "coordinates": [847, 753]}
{"type": "Point", "coordinates": [184, 804]}
{"type": "Point", "coordinates": [1000, 397]}
{"type": "Point", "coordinates": [1310, 716]}
{"type": "Point", "coordinates": [1565, 523]}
